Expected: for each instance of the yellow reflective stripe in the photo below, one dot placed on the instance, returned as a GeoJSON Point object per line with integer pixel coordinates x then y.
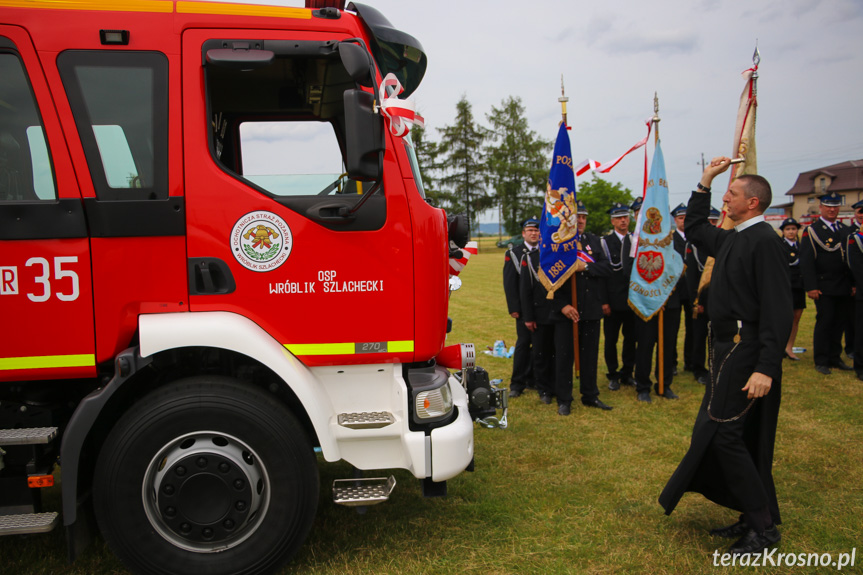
{"type": "Point", "coordinates": [400, 346]}
{"type": "Point", "coordinates": [101, 5]}
{"type": "Point", "coordinates": [242, 10]}
{"type": "Point", "coordinates": [320, 348]}
{"type": "Point", "coordinates": [47, 361]}
{"type": "Point", "coordinates": [349, 348]}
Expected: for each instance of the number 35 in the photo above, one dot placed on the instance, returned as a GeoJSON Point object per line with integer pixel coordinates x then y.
{"type": "Point", "coordinates": [59, 273]}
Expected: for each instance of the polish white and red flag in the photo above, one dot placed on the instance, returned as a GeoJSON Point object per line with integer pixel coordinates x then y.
{"type": "Point", "coordinates": [456, 265]}
{"type": "Point", "coordinates": [604, 168]}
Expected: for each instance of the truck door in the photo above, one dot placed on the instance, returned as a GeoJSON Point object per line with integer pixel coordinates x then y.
{"type": "Point", "coordinates": [46, 301]}
{"type": "Point", "coordinates": [269, 230]}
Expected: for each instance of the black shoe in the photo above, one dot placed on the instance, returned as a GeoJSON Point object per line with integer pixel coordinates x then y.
{"type": "Point", "coordinates": [754, 542]}
{"type": "Point", "coordinates": [674, 371]}
{"type": "Point", "coordinates": [545, 398]}
{"type": "Point", "coordinates": [667, 394]}
{"type": "Point", "coordinates": [823, 369]}
{"type": "Point", "coordinates": [563, 409]}
{"type": "Point", "coordinates": [841, 365]}
{"type": "Point", "coordinates": [703, 379]}
{"type": "Point", "coordinates": [729, 531]}
{"type": "Point", "coordinates": [860, 375]}
{"type": "Point", "coordinates": [850, 355]}
{"type": "Point", "coordinates": [644, 396]}
{"type": "Point", "coordinates": [613, 384]}
{"type": "Point", "coordinates": [596, 403]}
{"type": "Point", "coordinates": [629, 381]}
{"type": "Point", "coordinates": [688, 368]}
{"type": "Point", "coordinates": [515, 392]}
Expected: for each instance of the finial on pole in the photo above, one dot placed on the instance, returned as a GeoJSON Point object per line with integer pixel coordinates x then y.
{"type": "Point", "coordinates": [563, 100]}
{"type": "Point", "coordinates": [655, 118]}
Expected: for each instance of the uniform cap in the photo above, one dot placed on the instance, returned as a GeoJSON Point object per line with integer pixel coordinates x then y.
{"type": "Point", "coordinates": [636, 204]}
{"type": "Point", "coordinates": [858, 205]}
{"type": "Point", "coordinates": [789, 222]}
{"type": "Point", "coordinates": [581, 208]}
{"type": "Point", "coordinates": [680, 210]}
{"type": "Point", "coordinates": [530, 222]}
{"type": "Point", "coordinates": [714, 214]}
{"type": "Point", "coordinates": [832, 199]}
{"type": "Point", "coordinates": [618, 209]}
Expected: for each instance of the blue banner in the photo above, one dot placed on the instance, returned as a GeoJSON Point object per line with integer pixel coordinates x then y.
{"type": "Point", "coordinates": [558, 226]}
{"type": "Point", "coordinates": [657, 265]}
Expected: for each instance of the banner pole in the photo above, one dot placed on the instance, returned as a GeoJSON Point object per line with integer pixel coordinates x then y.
{"type": "Point", "coordinates": [574, 297]}
{"type": "Point", "coordinates": [660, 340]}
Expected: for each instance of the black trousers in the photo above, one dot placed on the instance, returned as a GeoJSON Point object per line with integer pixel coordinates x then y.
{"type": "Point", "coordinates": [648, 335]}
{"type": "Point", "coordinates": [588, 354]}
{"type": "Point", "coordinates": [522, 366]}
{"type": "Point", "coordinates": [831, 313]}
{"type": "Point", "coordinates": [564, 355]}
{"type": "Point", "coordinates": [858, 341]}
{"type": "Point", "coordinates": [612, 326]}
{"type": "Point", "coordinates": [688, 337]}
{"type": "Point", "coordinates": [699, 344]}
{"type": "Point", "coordinates": [543, 358]}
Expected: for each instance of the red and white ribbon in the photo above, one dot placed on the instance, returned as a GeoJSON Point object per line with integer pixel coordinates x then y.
{"type": "Point", "coordinates": [456, 265]}
{"type": "Point", "coordinates": [589, 164]}
{"type": "Point", "coordinates": [400, 113]}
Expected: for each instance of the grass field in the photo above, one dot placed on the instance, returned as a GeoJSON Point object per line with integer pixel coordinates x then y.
{"type": "Point", "coordinates": [571, 494]}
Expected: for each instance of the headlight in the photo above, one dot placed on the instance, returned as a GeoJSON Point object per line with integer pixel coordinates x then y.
{"type": "Point", "coordinates": [433, 403]}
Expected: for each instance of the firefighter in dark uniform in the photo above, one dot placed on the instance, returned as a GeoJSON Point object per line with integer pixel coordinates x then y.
{"type": "Point", "coordinates": [695, 262]}
{"type": "Point", "coordinates": [679, 215]}
{"type": "Point", "coordinates": [536, 313]}
{"type": "Point", "coordinates": [789, 229]}
{"type": "Point", "coordinates": [827, 281]}
{"type": "Point", "coordinates": [619, 316]}
{"type": "Point", "coordinates": [855, 263]}
{"type": "Point", "coordinates": [851, 329]}
{"type": "Point", "coordinates": [522, 369]}
{"type": "Point", "coordinates": [591, 294]}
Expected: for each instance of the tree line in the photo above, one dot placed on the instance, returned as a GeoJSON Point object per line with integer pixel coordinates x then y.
{"type": "Point", "coordinates": [504, 166]}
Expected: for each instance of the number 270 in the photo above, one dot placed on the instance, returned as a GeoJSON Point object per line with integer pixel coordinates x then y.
{"type": "Point", "coordinates": [59, 273]}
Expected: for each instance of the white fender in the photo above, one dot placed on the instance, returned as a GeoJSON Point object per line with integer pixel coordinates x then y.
{"type": "Point", "coordinates": [225, 330]}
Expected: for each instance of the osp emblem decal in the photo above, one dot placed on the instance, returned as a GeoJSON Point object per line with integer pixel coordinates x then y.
{"type": "Point", "coordinates": [261, 241]}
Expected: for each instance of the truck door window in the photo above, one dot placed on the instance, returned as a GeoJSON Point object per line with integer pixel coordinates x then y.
{"type": "Point", "coordinates": [26, 173]}
{"type": "Point", "coordinates": [120, 103]}
{"type": "Point", "coordinates": [295, 159]}
{"type": "Point", "coordinates": [280, 128]}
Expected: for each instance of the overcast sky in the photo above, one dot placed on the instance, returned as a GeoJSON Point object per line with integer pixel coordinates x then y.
{"type": "Point", "coordinates": [615, 55]}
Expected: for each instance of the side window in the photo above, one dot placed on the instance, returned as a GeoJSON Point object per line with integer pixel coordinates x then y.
{"type": "Point", "coordinates": [120, 103]}
{"type": "Point", "coordinates": [294, 159]}
{"type": "Point", "coordinates": [26, 172]}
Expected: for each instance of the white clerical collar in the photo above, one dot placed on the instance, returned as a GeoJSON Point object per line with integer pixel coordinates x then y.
{"type": "Point", "coordinates": [749, 223]}
{"type": "Point", "coordinates": [619, 235]}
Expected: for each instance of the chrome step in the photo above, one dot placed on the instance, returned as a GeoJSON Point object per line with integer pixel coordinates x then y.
{"type": "Point", "coordinates": [366, 420]}
{"type": "Point", "coordinates": [28, 523]}
{"type": "Point", "coordinates": [365, 491]}
{"type": "Point", "coordinates": [28, 436]}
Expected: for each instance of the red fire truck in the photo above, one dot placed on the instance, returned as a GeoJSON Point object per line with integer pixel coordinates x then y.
{"type": "Point", "coordinates": [217, 259]}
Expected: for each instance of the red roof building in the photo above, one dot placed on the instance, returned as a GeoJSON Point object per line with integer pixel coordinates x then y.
{"type": "Point", "coordinates": [846, 179]}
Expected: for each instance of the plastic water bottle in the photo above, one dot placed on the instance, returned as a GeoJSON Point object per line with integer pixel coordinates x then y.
{"type": "Point", "coordinates": [499, 349]}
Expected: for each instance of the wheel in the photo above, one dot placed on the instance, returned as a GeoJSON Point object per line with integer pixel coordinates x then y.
{"type": "Point", "coordinates": [206, 475]}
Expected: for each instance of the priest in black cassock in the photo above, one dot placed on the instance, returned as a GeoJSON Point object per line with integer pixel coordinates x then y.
{"type": "Point", "coordinates": [730, 458]}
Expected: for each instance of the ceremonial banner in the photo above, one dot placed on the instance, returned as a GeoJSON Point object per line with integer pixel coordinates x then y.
{"type": "Point", "coordinates": [558, 247]}
{"type": "Point", "coordinates": [657, 265]}
{"type": "Point", "coordinates": [744, 147]}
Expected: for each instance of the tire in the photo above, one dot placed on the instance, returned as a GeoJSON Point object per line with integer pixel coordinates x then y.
{"type": "Point", "coordinates": [206, 475]}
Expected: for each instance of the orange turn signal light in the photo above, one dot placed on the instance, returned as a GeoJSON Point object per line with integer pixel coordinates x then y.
{"type": "Point", "coordinates": [39, 481]}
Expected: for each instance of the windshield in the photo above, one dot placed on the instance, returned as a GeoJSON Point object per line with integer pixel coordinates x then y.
{"type": "Point", "coordinates": [415, 166]}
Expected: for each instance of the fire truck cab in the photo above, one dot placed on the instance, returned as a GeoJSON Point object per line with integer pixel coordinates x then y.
{"type": "Point", "coordinates": [217, 259]}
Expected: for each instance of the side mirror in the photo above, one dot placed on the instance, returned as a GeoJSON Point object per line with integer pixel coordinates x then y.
{"type": "Point", "coordinates": [364, 142]}
{"type": "Point", "coordinates": [356, 61]}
